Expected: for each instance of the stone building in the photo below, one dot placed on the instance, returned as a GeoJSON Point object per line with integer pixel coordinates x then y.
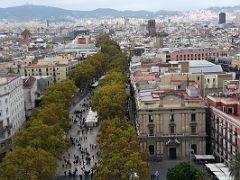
{"type": "Point", "coordinates": [170, 123]}
{"type": "Point", "coordinates": [224, 121]}
{"type": "Point", "coordinates": [12, 114]}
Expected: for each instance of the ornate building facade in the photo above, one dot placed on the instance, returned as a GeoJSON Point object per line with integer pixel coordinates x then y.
{"type": "Point", "coordinates": [171, 123]}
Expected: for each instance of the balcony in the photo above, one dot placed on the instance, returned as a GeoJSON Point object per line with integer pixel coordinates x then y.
{"type": "Point", "coordinates": [151, 135]}
{"type": "Point", "coordinates": [171, 135]}
{"type": "Point", "coordinates": [6, 128]}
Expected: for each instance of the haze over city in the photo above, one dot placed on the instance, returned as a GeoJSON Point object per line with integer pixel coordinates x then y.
{"type": "Point", "coordinates": [152, 5]}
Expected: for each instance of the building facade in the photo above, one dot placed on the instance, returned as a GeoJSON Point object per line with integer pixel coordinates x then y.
{"type": "Point", "coordinates": [12, 114]}
{"type": "Point", "coordinates": [189, 54]}
{"type": "Point", "coordinates": [151, 28]}
{"type": "Point", "coordinates": [171, 123]}
{"type": "Point", "coordinates": [57, 67]}
{"type": "Point", "coordinates": [222, 18]}
{"type": "Point", "coordinates": [224, 117]}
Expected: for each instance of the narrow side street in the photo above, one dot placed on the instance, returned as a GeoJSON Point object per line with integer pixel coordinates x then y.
{"type": "Point", "coordinates": [78, 161]}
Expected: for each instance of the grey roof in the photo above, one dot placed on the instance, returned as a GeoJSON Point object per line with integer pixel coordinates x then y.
{"type": "Point", "coordinates": [205, 69]}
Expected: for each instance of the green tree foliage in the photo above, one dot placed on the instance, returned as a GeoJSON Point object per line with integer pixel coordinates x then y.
{"type": "Point", "coordinates": [113, 76]}
{"type": "Point", "coordinates": [83, 75]}
{"type": "Point", "coordinates": [54, 114]}
{"type": "Point", "coordinates": [235, 166]}
{"type": "Point", "coordinates": [105, 40]}
{"type": "Point", "coordinates": [119, 152]}
{"type": "Point", "coordinates": [185, 171]}
{"type": "Point", "coordinates": [90, 70]}
{"type": "Point", "coordinates": [39, 135]}
{"type": "Point", "coordinates": [100, 63]}
{"type": "Point", "coordinates": [109, 101]}
{"type": "Point", "coordinates": [119, 61]}
{"type": "Point", "coordinates": [28, 164]}
{"type": "Point", "coordinates": [62, 92]}
{"type": "Point", "coordinates": [42, 140]}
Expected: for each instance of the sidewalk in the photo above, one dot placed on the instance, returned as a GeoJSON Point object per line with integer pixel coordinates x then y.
{"type": "Point", "coordinates": [82, 155]}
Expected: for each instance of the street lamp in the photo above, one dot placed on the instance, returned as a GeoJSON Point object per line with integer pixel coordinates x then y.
{"type": "Point", "coordinates": [190, 151]}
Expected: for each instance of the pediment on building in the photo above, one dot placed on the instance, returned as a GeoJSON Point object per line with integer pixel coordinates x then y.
{"type": "Point", "coordinates": [171, 100]}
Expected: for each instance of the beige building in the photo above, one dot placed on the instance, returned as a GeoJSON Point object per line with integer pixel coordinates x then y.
{"type": "Point", "coordinates": [170, 123]}
{"type": "Point", "coordinates": [236, 61]}
{"type": "Point", "coordinates": [57, 67]}
{"type": "Point", "coordinates": [207, 82]}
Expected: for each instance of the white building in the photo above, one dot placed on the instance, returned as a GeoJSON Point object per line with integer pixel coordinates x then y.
{"type": "Point", "coordinates": [12, 114]}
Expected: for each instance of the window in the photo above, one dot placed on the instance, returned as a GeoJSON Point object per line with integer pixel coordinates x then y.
{"type": "Point", "coordinates": [198, 78]}
{"type": "Point", "coordinates": [172, 129]}
{"type": "Point", "coordinates": [1, 124]}
{"type": "Point", "coordinates": [194, 148]}
{"type": "Point", "coordinates": [151, 150]}
{"type": "Point", "coordinates": [230, 111]}
{"type": "Point", "coordinates": [193, 117]}
{"type": "Point", "coordinates": [151, 131]}
{"type": "Point", "coordinates": [193, 130]}
{"type": "Point", "coordinates": [150, 118]}
{"type": "Point", "coordinates": [172, 117]}
{"type": "Point", "coordinates": [0, 113]}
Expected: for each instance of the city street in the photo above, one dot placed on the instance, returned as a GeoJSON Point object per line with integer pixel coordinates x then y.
{"type": "Point", "coordinates": [82, 155]}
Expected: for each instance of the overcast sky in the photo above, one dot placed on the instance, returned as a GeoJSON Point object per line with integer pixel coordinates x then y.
{"type": "Point", "coordinates": [124, 4]}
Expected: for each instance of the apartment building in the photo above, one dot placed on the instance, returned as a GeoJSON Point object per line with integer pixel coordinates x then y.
{"type": "Point", "coordinates": [12, 114]}
{"type": "Point", "coordinates": [58, 67]}
{"type": "Point", "coordinates": [180, 54]}
{"type": "Point", "coordinates": [224, 120]}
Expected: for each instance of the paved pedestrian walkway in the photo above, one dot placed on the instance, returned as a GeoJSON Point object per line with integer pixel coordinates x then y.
{"type": "Point", "coordinates": [80, 158]}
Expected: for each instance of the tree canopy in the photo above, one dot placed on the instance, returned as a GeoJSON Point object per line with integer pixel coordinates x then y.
{"type": "Point", "coordinates": [119, 152]}
{"type": "Point", "coordinates": [185, 171]}
{"type": "Point", "coordinates": [42, 141]}
{"type": "Point", "coordinates": [62, 92]}
{"type": "Point", "coordinates": [39, 135]}
{"type": "Point", "coordinates": [28, 164]}
{"type": "Point", "coordinates": [235, 166]}
{"type": "Point", "coordinates": [113, 76]}
{"type": "Point", "coordinates": [110, 101]}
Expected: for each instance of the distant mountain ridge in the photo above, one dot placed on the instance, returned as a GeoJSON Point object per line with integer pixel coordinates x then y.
{"type": "Point", "coordinates": [27, 12]}
{"type": "Point", "coordinates": [227, 9]}
{"type": "Point", "coordinates": [41, 12]}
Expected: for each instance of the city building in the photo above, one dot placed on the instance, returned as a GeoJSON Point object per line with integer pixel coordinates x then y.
{"type": "Point", "coordinates": [180, 54]}
{"type": "Point", "coordinates": [224, 116]}
{"type": "Point", "coordinates": [151, 28]}
{"type": "Point", "coordinates": [12, 114]}
{"type": "Point", "coordinates": [222, 18]}
{"type": "Point", "coordinates": [57, 67]}
{"type": "Point", "coordinates": [30, 93]}
{"type": "Point", "coordinates": [171, 122]}
{"type": "Point", "coordinates": [81, 50]}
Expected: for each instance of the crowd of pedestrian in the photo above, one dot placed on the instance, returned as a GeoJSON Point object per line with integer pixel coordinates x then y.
{"type": "Point", "coordinates": [82, 156]}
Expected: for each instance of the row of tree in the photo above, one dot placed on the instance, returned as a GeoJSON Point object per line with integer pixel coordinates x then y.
{"type": "Point", "coordinates": [42, 142]}
{"type": "Point", "coordinates": [120, 155]}
{"type": "Point", "coordinates": [97, 65]}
